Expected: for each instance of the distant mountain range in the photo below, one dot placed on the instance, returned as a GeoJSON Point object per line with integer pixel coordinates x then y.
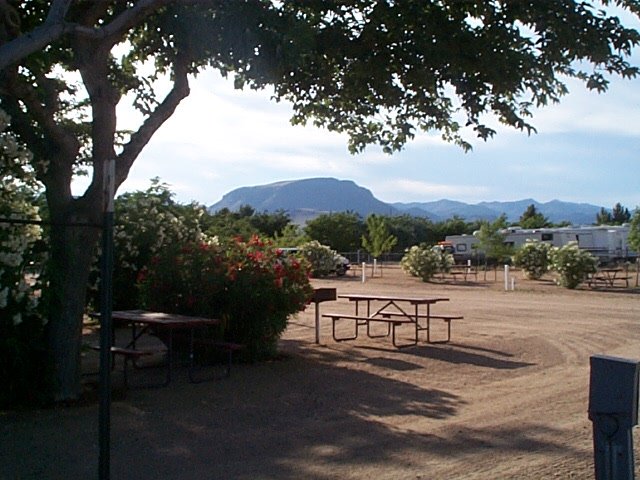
{"type": "Point", "coordinates": [308, 198]}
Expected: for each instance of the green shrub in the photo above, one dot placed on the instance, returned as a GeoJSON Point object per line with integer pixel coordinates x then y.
{"type": "Point", "coordinates": [424, 262]}
{"type": "Point", "coordinates": [323, 259]}
{"type": "Point", "coordinates": [251, 286]}
{"type": "Point", "coordinates": [534, 258]}
{"type": "Point", "coordinates": [572, 264]}
{"type": "Point", "coordinates": [445, 260]}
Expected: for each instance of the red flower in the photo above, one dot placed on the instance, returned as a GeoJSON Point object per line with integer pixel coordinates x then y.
{"type": "Point", "coordinates": [142, 275]}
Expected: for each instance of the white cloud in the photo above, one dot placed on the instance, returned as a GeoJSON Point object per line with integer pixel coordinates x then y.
{"type": "Point", "coordinates": [426, 191]}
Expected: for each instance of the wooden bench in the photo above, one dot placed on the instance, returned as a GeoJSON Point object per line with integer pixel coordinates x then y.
{"type": "Point", "coordinates": [393, 320]}
{"type": "Point", "coordinates": [446, 318]}
{"type": "Point", "coordinates": [366, 321]}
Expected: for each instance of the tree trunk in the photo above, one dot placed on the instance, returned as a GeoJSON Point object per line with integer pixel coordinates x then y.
{"type": "Point", "coordinates": [71, 256]}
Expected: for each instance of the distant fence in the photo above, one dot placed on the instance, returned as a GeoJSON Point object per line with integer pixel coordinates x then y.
{"type": "Point", "coordinates": [362, 256]}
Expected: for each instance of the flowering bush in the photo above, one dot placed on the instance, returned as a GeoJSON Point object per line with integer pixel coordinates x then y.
{"type": "Point", "coordinates": [445, 259]}
{"type": "Point", "coordinates": [147, 223]}
{"type": "Point", "coordinates": [572, 264]}
{"type": "Point", "coordinates": [23, 371]}
{"type": "Point", "coordinates": [251, 286]}
{"type": "Point", "coordinates": [534, 258]}
{"type": "Point", "coordinates": [424, 262]}
{"type": "Point", "coordinates": [323, 260]}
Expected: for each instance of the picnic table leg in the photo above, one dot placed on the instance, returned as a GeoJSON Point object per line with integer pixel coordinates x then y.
{"type": "Point", "coordinates": [317, 311]}
{"type": "Point", "coordinates": [395, 343]}
{"type": "Point", "coordinates": [370, 335]}
{"type": "Point", "coordinates": [333, 322]}
{"type": "Point", "coordinates": [169, 357]}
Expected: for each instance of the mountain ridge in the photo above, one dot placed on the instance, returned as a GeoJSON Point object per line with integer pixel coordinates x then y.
{"type": "Point", "coordinates": [305, 199]}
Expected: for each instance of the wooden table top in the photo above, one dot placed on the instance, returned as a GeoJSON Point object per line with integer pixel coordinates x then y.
{"type": "Point", "coordinates": [161, 318]}
{"type": "Point", "coordinates": [392, 298]}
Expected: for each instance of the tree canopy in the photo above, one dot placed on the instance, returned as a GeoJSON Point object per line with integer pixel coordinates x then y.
{"type": "Point", "coordinates": [491, 239]}
{"type": "Point", "coordinates": [532, 218]}
{"type": "Point", "coordinates": [617, 216]}
{"type": "Point", "coordinates": [378, 71]}
{"type": "Point", "coordinates": [378, 240]}
{"type": "Point", "coordinates": [341, 231]}
{"type": "Point", "coordinates": [634, 231]}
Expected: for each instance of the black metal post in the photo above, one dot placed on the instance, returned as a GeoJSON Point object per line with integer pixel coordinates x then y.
{"type": "Point", "coordinates": [106, 326]}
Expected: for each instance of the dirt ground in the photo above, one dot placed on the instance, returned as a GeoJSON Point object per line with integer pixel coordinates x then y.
{"type": "Point", "coordinates": [506, 399]}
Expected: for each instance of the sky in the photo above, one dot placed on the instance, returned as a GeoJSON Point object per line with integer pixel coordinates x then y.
{"type": "Point", "coordinates": [587, 150]}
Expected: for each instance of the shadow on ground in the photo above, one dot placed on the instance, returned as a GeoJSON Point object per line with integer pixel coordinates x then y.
{"type": "Point", "coordinates": [302, 416]}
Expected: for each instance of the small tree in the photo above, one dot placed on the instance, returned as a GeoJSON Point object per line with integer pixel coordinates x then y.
{"type": "Point", "coordinates": [378, 239]}
{"type": "Point", "coordinates": [534, 258]}
{"type": "Point", "coordinates": [532, 218]}
{"type": "Point", "coordinates": [572, 264]}
{"type": "Point", "coordinates": [634, 238]}
{"type": "Point", "coordinates": [491, 240]}
{"type": "Point", "coordinates": [618, 215]}
{"type": "Point", "coordinates": [603, 217]}
{"type": "Point", "coordinates": [634, 231]}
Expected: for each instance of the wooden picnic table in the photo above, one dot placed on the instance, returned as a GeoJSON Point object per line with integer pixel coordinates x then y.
{"type": "Point", "coordinates": [394, 311]}
{"type": "Point", "coordinates": [464, 271]}
{"type": "Point", "coordinates": [609, 277]}
{"type": "Point", "coordinates": [164, 325]}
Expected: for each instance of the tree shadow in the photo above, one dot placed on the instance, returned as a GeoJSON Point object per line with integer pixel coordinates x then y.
{"type": "Point", "coordinates": [452, 353]}
{"type": "Point", "coordinates": [393, 364]}
{"type": "Point", "coordinates": [310, 414]}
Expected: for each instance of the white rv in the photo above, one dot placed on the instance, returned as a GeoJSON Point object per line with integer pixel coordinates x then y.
{"type": "Point", "coordinates": [607, 242]}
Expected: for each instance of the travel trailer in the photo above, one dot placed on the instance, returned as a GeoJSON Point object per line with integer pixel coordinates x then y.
{"type": "Point", "coordinates": [607, 242]}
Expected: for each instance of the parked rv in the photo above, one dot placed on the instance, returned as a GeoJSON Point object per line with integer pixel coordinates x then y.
{"type": "Point", "coordinates": [607, 242]}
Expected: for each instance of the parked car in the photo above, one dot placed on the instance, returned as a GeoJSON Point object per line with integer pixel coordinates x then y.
{"type": "Point", "coordinates": [342, 265]}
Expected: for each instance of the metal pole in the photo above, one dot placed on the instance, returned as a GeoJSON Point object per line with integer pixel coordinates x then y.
{"type": "Point", "coordinates": [106, 326]}
{"type": "Point", "coordinates": [506, 277]}
{"type": "Point", "coordinates": [317, 322]}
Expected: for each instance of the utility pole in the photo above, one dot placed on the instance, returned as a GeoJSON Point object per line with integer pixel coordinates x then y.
{"type": "Point", "coordinates": [106, 326]}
